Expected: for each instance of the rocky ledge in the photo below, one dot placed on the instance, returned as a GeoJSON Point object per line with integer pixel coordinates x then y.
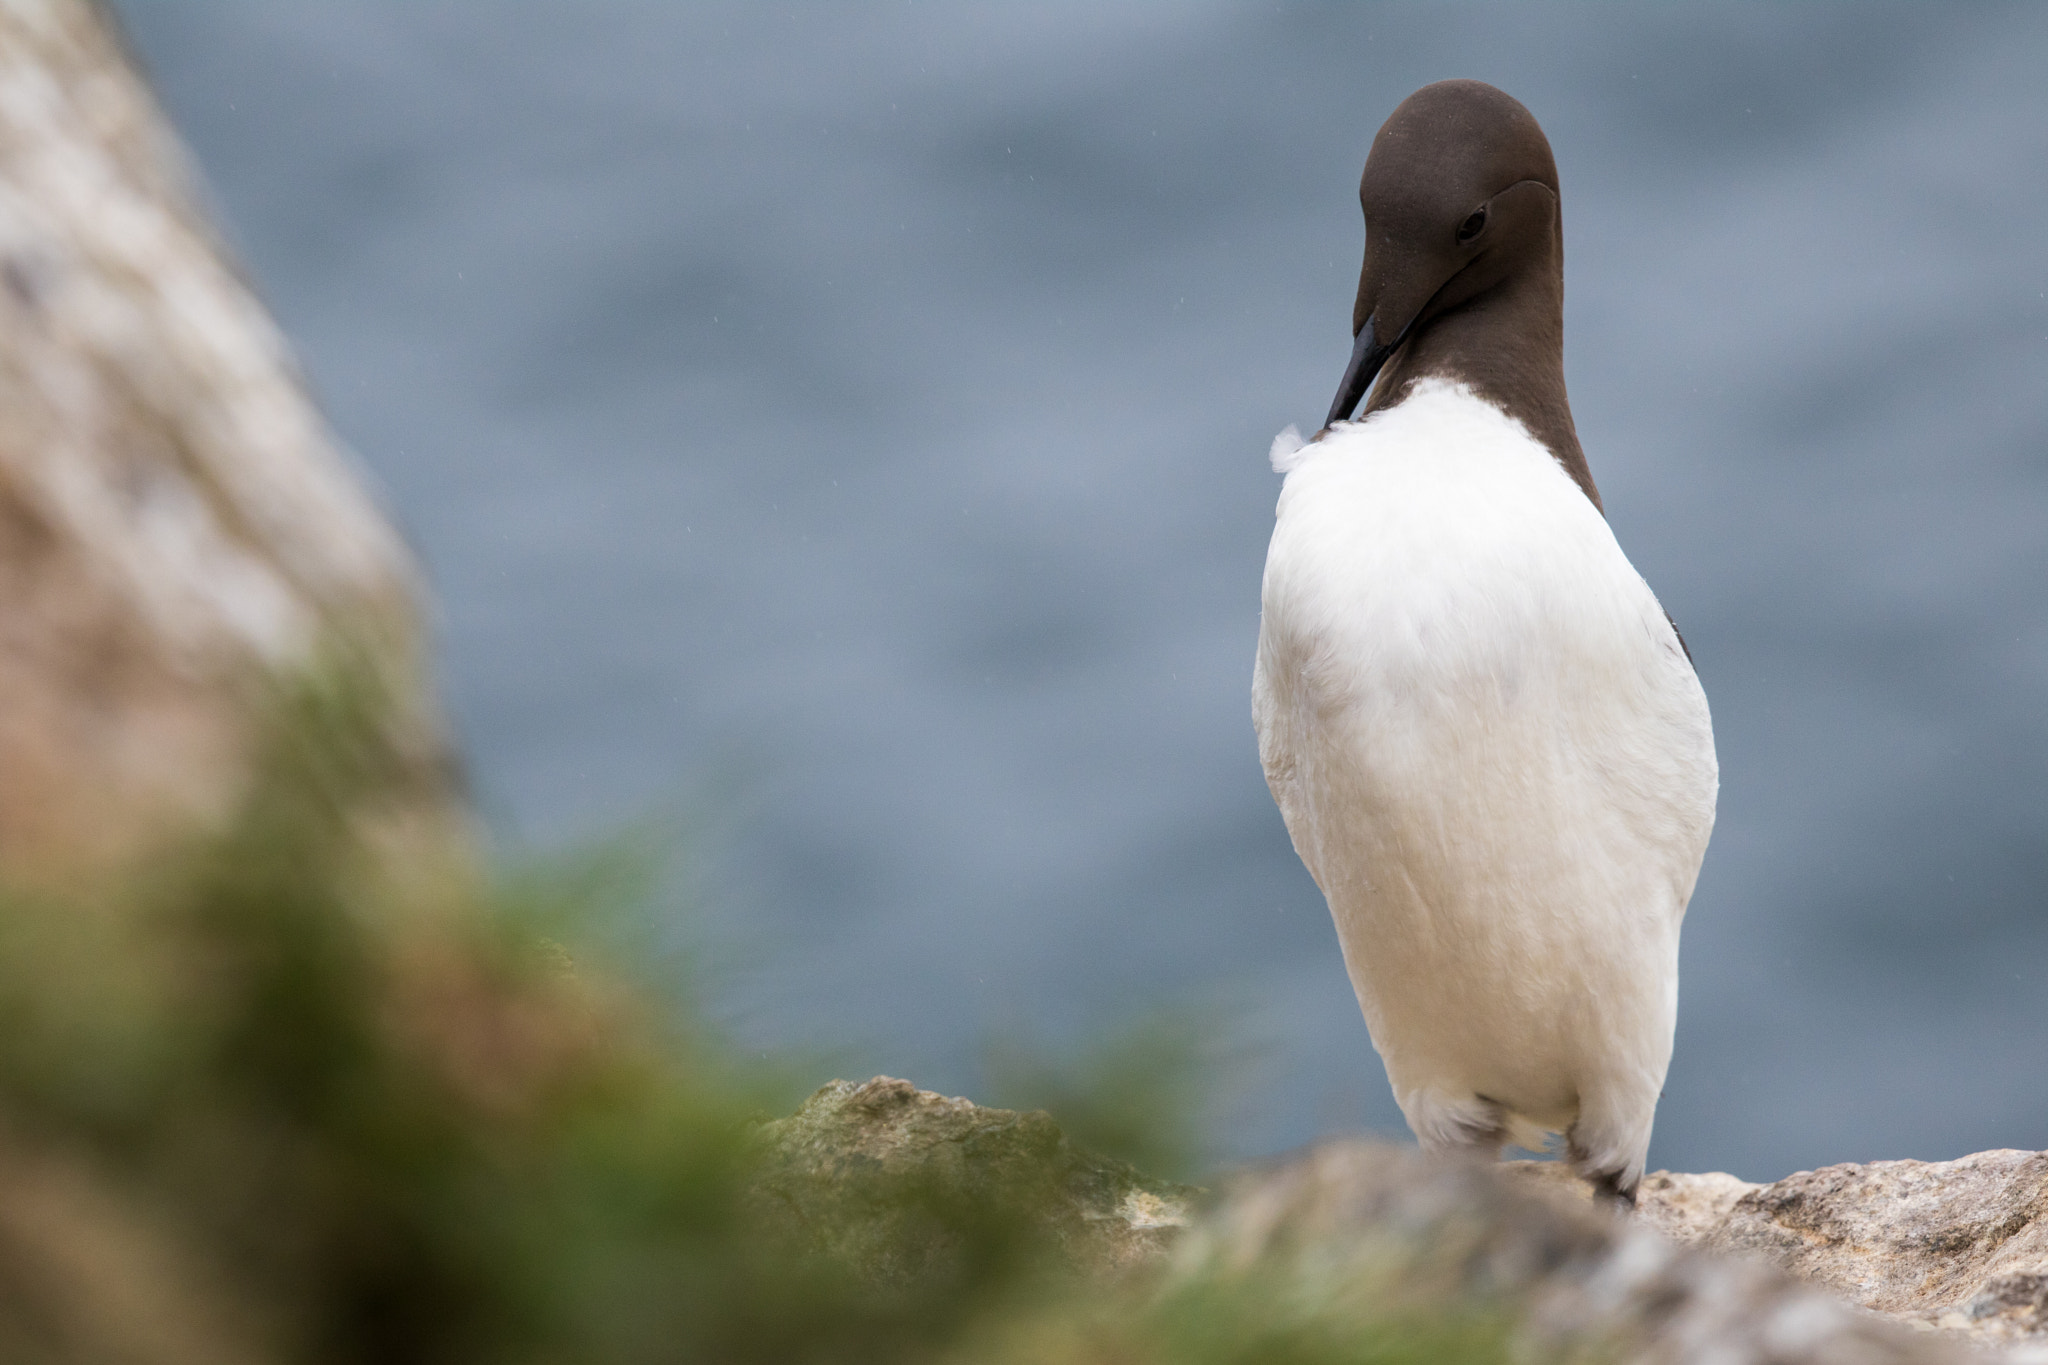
{"type": "Point", "coordinates": [1958, 1247]}
{"type": "Point", "coordinates": [1899, 1261]}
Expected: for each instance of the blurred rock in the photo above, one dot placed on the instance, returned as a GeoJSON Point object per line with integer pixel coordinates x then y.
{"type": "Point", "coordinates": [177, 526]}
{"type": "Point", "coordinates": [1958, 1246]}
{"type": "Point", "coordinates": [1576, 1282]}
{"type": "Point", "coordinates": [854, 1164]}
{"type": "Point", "coordinates": [89, 1278]}
{"type": "Point", "coordinates": [1383, 1235]}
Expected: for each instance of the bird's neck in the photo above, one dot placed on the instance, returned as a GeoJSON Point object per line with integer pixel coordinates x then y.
{"type": "Point", "coordinates": [1508, 346]}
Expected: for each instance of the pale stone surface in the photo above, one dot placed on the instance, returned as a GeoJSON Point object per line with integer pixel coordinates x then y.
{"type": "Point", "coordinates": [176, 523]}
{"type": "Point", "coordinates": [1578, 1282]}
{"type": "Point", "coordinates": [1958, 1246]}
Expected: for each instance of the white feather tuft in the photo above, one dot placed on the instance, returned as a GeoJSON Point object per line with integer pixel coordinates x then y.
{"type": "Point", "coordinates": [1287, 448]}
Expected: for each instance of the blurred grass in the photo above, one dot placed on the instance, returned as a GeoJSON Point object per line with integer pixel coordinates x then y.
{"type": "Point", "coordinates": [1139, 1092]}
{"type": "Point", "coordinates": [316, 1089]}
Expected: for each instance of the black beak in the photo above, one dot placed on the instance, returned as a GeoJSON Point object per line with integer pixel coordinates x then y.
{"type": "Point", "coordinates": [1367, 355]}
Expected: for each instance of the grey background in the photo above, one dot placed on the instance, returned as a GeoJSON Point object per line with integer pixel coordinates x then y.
{"type": "Point", "coordinates": [849, 424]}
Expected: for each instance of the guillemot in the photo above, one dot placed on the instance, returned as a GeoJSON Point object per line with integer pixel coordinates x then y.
{"type": "Point", "coordinates": [1485, 735]}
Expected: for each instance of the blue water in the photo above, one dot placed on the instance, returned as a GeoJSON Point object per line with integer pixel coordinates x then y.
{"type": "Point", "coordinates": [848, 425]}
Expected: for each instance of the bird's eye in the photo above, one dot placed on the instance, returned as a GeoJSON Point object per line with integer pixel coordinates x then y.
{"type": "Point", "coordinates": [1472, 226]}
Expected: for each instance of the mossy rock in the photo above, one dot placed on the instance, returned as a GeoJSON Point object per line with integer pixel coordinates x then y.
{"type": "Point", "coordinates": [902, 1181]}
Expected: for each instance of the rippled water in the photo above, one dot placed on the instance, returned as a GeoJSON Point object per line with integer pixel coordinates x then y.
{"type": "Point", "coordinates": [852, 423]}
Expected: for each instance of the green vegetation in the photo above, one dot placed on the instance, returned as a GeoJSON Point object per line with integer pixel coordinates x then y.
{"type": "Point", "coordinates": [318, 1092]}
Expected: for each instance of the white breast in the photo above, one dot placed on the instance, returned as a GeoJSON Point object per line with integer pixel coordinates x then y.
{"type": "Point", "coordinates": [1495, 759]}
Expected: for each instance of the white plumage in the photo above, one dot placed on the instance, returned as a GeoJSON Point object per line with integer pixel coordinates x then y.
{"type": "Point", "coordinates": [1494, 757]}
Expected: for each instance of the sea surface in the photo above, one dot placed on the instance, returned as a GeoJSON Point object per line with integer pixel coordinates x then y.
{"type": "Point", "coordinates": [839, 432]}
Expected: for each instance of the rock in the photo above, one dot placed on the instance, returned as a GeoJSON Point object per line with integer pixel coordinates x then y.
{"type": "Point", "coordinates": [839, 1170]}
{"type": "Point", "coordinates": [1387, 1226]}
{"type": "Point", "coordinates": [1347, 1233]}
{"type": "Point", "coordinates": [91, 1276]}
{"type": "Point", "coordinates": [1957, 1246]}
{"type": "Point", "coordinates": [178, 528]}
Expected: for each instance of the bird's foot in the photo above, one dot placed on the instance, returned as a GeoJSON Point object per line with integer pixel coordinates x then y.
{"type": "Point", "coordinates": [1608, 1189]}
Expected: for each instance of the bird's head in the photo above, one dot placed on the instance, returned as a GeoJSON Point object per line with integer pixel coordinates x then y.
{"type": "Point", "coordinates": [1460, 197]}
